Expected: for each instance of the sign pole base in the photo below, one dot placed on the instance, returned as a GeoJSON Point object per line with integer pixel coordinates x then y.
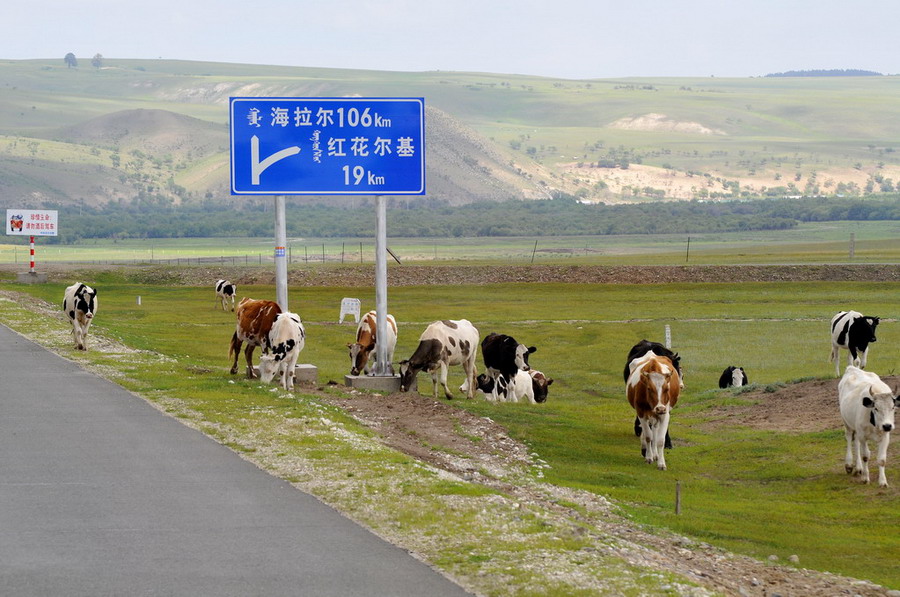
{"type": "Point", "coordinates": [31, 278]}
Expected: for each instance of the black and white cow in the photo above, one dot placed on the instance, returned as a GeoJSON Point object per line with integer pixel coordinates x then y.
{"type": "Point", "coordinates": [80, 306]}
{"type": "Point", "coordinates": [286, 339]}
{"type": "Point", "coordinates": [532, 385]}
{"type": "Point", "coordinates": [854, 332]}
{"type": "Point", "coordinates": [639, 350]}
{"type": "Point", "coordinates": [733, 377]}
{"type": "Point", "coordinates": [503, 358]}
{"type": "Point", "coordinates": [442, 344]}
{"type": "Point", "coordinates": [225, 292]}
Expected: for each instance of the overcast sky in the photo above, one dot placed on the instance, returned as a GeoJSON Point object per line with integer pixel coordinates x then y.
{"type": "Point", "coordinates": [576, 39]}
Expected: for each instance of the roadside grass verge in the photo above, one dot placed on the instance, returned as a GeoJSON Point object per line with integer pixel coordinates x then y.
{"type": "Point", "coordinates": [489, 543]}
{"type": "Point", "coordinates": [755, 492]}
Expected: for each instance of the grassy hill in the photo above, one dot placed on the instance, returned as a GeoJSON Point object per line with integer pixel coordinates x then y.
{"type": "Point", "coordinates": [160, 128]}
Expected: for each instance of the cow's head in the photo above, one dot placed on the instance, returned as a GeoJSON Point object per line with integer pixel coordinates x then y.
{"type": "Point", "coordinates": [268, 367]}
{"type": "Point", "coordinates": [540, 384]}
{"type": "Point", "coordinates": [485, 383]}
{"type": "Point", "coordinates": [522, 353]}
{"type": "Point", "coordinates": [407, 375]}
{"type": "Point", "coordinates": [737, 376]}
{"type": "Point", "coordinates": [873, 323]}
{"type": "Point", "coordinates": [86, 300]}
{"type": "Point", "coordinates": [359, 356]}
{"type": "Point", "coordinates": [657, 378]}
{"type": "Point", "coordinates": [881, 407]}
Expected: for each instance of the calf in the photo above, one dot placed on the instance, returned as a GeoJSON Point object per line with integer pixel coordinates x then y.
{"type": "Point", "coordinates": [540, 385]}
{"type": "Point", "coordinates": [854, 331]}
{"type": "Point", "coordinates": [867, 407]}
{"type": "Point", "coordinates": [225, 291]}
{"type": "Point", "coordinates": [733, 377]}
{"type": "Point", "coordinates": [286, 339]}
{"type": "Point", "coordinates": [254, 322]}
{"type": "Point", "coordinates": [639, 350]}
{"type": "Point", "coordinates": [531, 384]}
{"type": "Point", "coordinates": [442, 344]}
{"type": "Point", "coordinates": [366, 342]}
{"type": "Point", "coordinates": [503, 358]}
{"type": "Point", "coordinates": [80, 306]}
{"type": "Point", "coordinates": [652, 390]}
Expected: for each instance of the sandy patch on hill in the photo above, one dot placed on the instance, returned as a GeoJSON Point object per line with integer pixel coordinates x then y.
{"type": "Point", "coordinates": [686, 185]}
{"type": "Point", "coordinates": [660, 122]}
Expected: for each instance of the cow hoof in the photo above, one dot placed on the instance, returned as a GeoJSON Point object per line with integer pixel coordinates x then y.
{"type": "Point", "coordinates": [661, 467]}
{"type": "Point", "coordinates": [849, 469]}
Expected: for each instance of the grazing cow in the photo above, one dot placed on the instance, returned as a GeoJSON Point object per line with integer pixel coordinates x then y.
{"type": "Point", "coordinates": [531, 384]}
{"type": "Point", "coordinates": [80, 306]}
{"type": "Point", "coordinates": [854, 331]}
{"type": "Point", "coordinates": [442, 344]}
{"type": "Point", "coordinates": [540, 385]}
{"type": "Point", "coordinates": [366, 340]}
{"type": "Point", "coordinates": [286, 339]}
{"type": "Point", "coordinates": [639, 350]}
{"type": "Point", "coordinates": [733, 377]}
{"type": "Point", "coordinates": [225, 291]}
{"type": "Point", "coordinates": [867, 408]}
{"type": "Point", "coordinates": [503, 358]}
{"type": "Point", "coordinates": [254, 322]}
{"type": "Point", "coordinates": [652, 390]}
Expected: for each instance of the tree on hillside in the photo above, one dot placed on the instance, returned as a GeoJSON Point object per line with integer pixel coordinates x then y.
{"type": "Point", "coordinates": [97, 60]}
{"type": "Point", "coordinates": [70, 59]}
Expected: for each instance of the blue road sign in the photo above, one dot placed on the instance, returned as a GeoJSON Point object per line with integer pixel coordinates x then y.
{"type": "Point", "coordinates": [327, 146]}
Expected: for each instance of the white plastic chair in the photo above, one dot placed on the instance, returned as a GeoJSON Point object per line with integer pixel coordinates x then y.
{"type": "Point", "coordinates": [350, 306]}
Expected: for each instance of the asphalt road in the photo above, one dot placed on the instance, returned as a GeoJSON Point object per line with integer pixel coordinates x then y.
{"type": "Point", "coordinates": [101, 494]}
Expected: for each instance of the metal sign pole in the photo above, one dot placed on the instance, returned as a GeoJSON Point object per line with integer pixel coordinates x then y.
{"type": "Point", "coordinates": [382, 367]}
{"type": "Point", "coordinates": [281, 283]}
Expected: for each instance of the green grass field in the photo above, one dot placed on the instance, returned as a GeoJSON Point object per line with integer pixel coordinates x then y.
{"type": "Point", "coordinates": [820, 242]}
{"type": "Point", "coordinates": [751, 491]}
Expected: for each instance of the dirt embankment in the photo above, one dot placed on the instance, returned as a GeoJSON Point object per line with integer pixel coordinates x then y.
{"type": "Point", "coordinates": [414, 275]}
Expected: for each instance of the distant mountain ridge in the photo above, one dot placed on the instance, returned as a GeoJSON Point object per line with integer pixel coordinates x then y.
{"type": "Point", "coordinates": [157, 130]}
{"type": "Point", "coordinates": [833, 72]}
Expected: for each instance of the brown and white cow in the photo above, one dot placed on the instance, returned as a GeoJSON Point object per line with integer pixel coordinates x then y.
{"type": "Point", "coordinates": [80, 305]}
{"type": "Point", "coordinates": [286, 339]}
{"type": "Point", "coordinates": [442, 344]}
{"type": "Point", "coordinates": [652, 390]}
{"type": "Point", "coordinates": [366, 340]}
{"type": "Point", "coordinates": [254, 322]}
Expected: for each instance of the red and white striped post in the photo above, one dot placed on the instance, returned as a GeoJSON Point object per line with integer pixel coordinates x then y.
{"type": "Point", "coordinates": [32, 254]}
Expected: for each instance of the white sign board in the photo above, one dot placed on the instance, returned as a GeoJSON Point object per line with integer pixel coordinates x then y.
{"type": "Point", "coordinates": [31, 222]}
